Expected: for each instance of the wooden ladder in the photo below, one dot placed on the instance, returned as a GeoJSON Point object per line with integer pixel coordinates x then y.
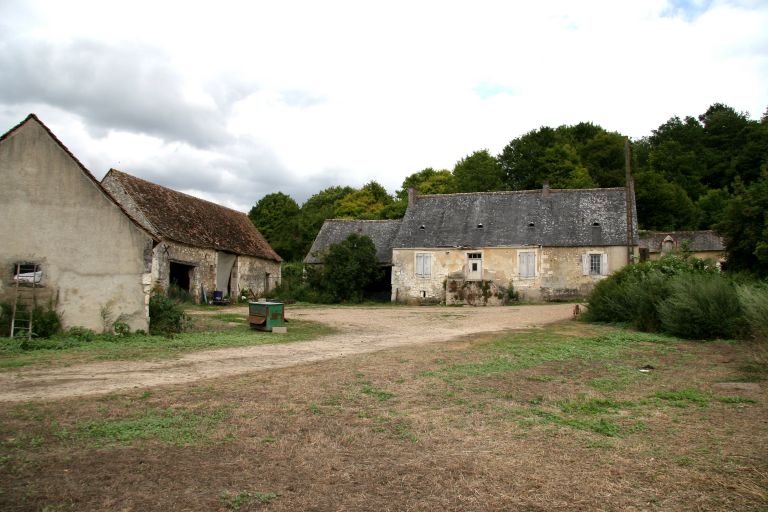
{"type": "Point", "coordinates": [21, 317]}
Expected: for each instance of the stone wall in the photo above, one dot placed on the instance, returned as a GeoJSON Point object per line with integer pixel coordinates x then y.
{"type": "Point", "coordinates": [248, 272]}
{"type": "Point", "coordinates": [557, 274]}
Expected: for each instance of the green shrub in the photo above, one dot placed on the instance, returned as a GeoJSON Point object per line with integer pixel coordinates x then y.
{"type": "Point", "coordinates": [165, 315]}
{"type": "Point", "coordinates": [80, 333]}
{"type": "Point", "coordinates": [5, 319]}
{"type": "Point", "coordinates": [121, 328]}
{"type": "Point", "coordinates": [179, 294]}
{"type": "Point", "coordinates": [45, 322]}
{"type": "Point", "coordinates": [754, 304]}
{"type": "Point", "coordinates": [633, 294]}
{"type": "Point", "coordinates": [702, 307]}
{"type": "Point", "coordinates": [349, 267]}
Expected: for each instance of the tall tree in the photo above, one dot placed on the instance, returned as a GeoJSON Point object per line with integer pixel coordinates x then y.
{"type": "Point", "coordinates": [366, 203]}
{"type": "Point", "coordinates": [428, 181]}
{"type": "Point", "coordinates": [276, 217]}
{"type": "Point", "coordinates": [745, 228]}
{"type": "Point", "coordinates": [661, 204]}
{"type": "Point", "coordinates": [316, 210]}
{"type": "Point", "coordinates": [478, 172]}
{"type": "Point", "coordinates": [521, 160]}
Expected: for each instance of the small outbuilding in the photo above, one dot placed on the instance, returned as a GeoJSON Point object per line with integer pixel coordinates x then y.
{"type": "Point", "coordinates": [704, 244]}
{"type": "Point", "coordinates": [204, 247]}
{"type": "Point", "coordinates": [381, 232]}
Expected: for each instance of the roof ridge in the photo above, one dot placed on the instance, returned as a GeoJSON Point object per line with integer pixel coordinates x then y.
{"type": "Point", "coordinates": [514, 192]}
{"type": "Point", "coordinates": [364, 220]}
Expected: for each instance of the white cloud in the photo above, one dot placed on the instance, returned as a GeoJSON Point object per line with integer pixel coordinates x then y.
{"type": "Point", "coordinates": [235, 100]}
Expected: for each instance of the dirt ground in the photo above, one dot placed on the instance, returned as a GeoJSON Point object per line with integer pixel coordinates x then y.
{"type": "Point", "coordinates": [553, 419]}
{"type": "Point", "coordinates": [360, 330]}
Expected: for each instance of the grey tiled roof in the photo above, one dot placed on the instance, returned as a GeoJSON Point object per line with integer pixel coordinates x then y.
{"type": "Point", "coordinates": [698, 241]}
{"type": "Point", "coordinates": [561, 218]}
{"type": "Point", "coordinates": [382, 232]}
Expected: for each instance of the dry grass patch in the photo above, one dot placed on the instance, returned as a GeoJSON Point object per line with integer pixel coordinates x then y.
{"type": "Point", "coordinates": [553, 419]}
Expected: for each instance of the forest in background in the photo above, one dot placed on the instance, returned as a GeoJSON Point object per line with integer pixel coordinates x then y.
{"type": "Point", "coordinates": [704, 172]}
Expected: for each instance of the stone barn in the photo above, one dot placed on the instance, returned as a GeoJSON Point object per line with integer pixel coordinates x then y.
{"type": "Point", "coordinates": [204, 247]}
{"type": "Point", "coordinates": [488, 247]}
{"type": "Point", "coordinates": [64, 240]}
{"type": "Point", "coordinates": [381, 232]}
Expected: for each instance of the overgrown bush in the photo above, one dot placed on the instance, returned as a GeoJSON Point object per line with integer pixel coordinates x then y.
{"type": "Point", "coordinates": [80, 333]}
{"type": "Point", "coordinates": [349, 267]}
{"type": "Point", "coordinates": [46, 322]}
{"type": "Point", "coordinates": [754, 304]}
{"type": "Point", "coordinates": [179, 295]}
{"type": "Point", "coordinates": [633, 294]}
{"type": "Point", "coordinates": [5, 319]}
{"type": "Point", "coordinates": [702, 307]}
{"type": "Point", "coordinates": [683, 296]}
{"type": "Point", "coordinates": [165, 315]}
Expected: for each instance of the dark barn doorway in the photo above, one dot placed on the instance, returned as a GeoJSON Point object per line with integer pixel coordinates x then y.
{"type": "Point", "coordinates": [180, 275]}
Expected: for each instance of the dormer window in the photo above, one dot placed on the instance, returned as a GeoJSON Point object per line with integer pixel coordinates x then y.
{"type": "Point", "coordinates": [480, 226]}
{"type": "Point", "coordinates": [531, 225]}
{"type": "Point", "coordinates": [422, 227]}
{"type": "Point", "coordinates": [595, 224]}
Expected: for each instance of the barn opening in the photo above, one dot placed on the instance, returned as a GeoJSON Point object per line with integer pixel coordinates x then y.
{"type": "Point", "coordinates": [180, 275]}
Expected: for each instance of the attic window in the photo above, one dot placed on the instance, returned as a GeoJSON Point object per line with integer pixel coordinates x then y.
{"type": "Point", "coordinates": [531, 225]}
{"type": "Point", "coordinates": [422, 227]}
{"type": "Point", "coordinates": [595, 224]}
{"type": "Point", "coordinates": [480, 226]}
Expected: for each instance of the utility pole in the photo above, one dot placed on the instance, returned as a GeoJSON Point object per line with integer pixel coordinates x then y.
{"type": "Point", "coordinates": [629, 188]}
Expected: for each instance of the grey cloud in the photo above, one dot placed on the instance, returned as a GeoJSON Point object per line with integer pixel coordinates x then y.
{"type": "Point", "coordinates": [128, 87]}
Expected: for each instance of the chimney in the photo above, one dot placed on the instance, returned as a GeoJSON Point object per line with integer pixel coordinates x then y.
{"type": "Point", "coordinates": [545, 188]}
{"type": "Point", "coordinates": [411, 196]}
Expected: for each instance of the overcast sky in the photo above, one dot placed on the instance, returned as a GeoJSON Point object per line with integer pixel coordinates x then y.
{"type": "Point", "coordinates": [232, 100]}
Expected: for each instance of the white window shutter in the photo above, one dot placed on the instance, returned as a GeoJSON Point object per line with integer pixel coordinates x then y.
{"type": "Point", "coordinates": [585, 264]}
{"type": "Point", "coordinates": [604, 264]}
{"type": "Point", "coordinates": [427, 264]}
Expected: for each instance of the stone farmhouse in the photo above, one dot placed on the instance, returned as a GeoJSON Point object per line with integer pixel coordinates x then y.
{"type": "Point", "coordinates": [65, 241]}
{"type": "Point", "coordinates": [203, 247]}
{"type": "Point", "coordinates": [701, 244]}
{"type": "Point", "coordinates": [485, 247]}
{"type": "Point", "coordinates": [480, 248]}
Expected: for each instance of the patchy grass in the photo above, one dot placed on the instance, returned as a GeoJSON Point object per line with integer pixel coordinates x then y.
{"type": "Point", "coordinates": [169, 426]}
{"type": "Point", "coordinates": [208, 332]}
{"type": "Point", "coordinates": [560, 418]}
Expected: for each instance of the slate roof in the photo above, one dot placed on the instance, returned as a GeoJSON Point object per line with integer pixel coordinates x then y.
{"type": "Point", "coordinates": [549, 217]}
{"type": "Point", "coordinates": [179, 217]}
{"type": "Point", "coordinates": [698, 241]}
{"type": "Point", "coordinates": [382, 232]}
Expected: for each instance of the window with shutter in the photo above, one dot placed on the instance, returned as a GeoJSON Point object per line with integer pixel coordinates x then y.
{"type": "Point", "coordinates": [527, 264]}
{"type": "Point", "coordinates": [423, 265]}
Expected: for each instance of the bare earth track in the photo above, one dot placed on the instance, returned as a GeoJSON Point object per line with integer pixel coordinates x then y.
{"type": "Point", "coordinates": [360, 330]}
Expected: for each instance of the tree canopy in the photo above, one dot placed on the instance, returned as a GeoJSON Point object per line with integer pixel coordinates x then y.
{"type": "Point", "coordinates": [692, 172]}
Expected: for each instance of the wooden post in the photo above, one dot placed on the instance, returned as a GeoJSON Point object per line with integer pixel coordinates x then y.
{"type": "Point", "coordinates": [630, 197]}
